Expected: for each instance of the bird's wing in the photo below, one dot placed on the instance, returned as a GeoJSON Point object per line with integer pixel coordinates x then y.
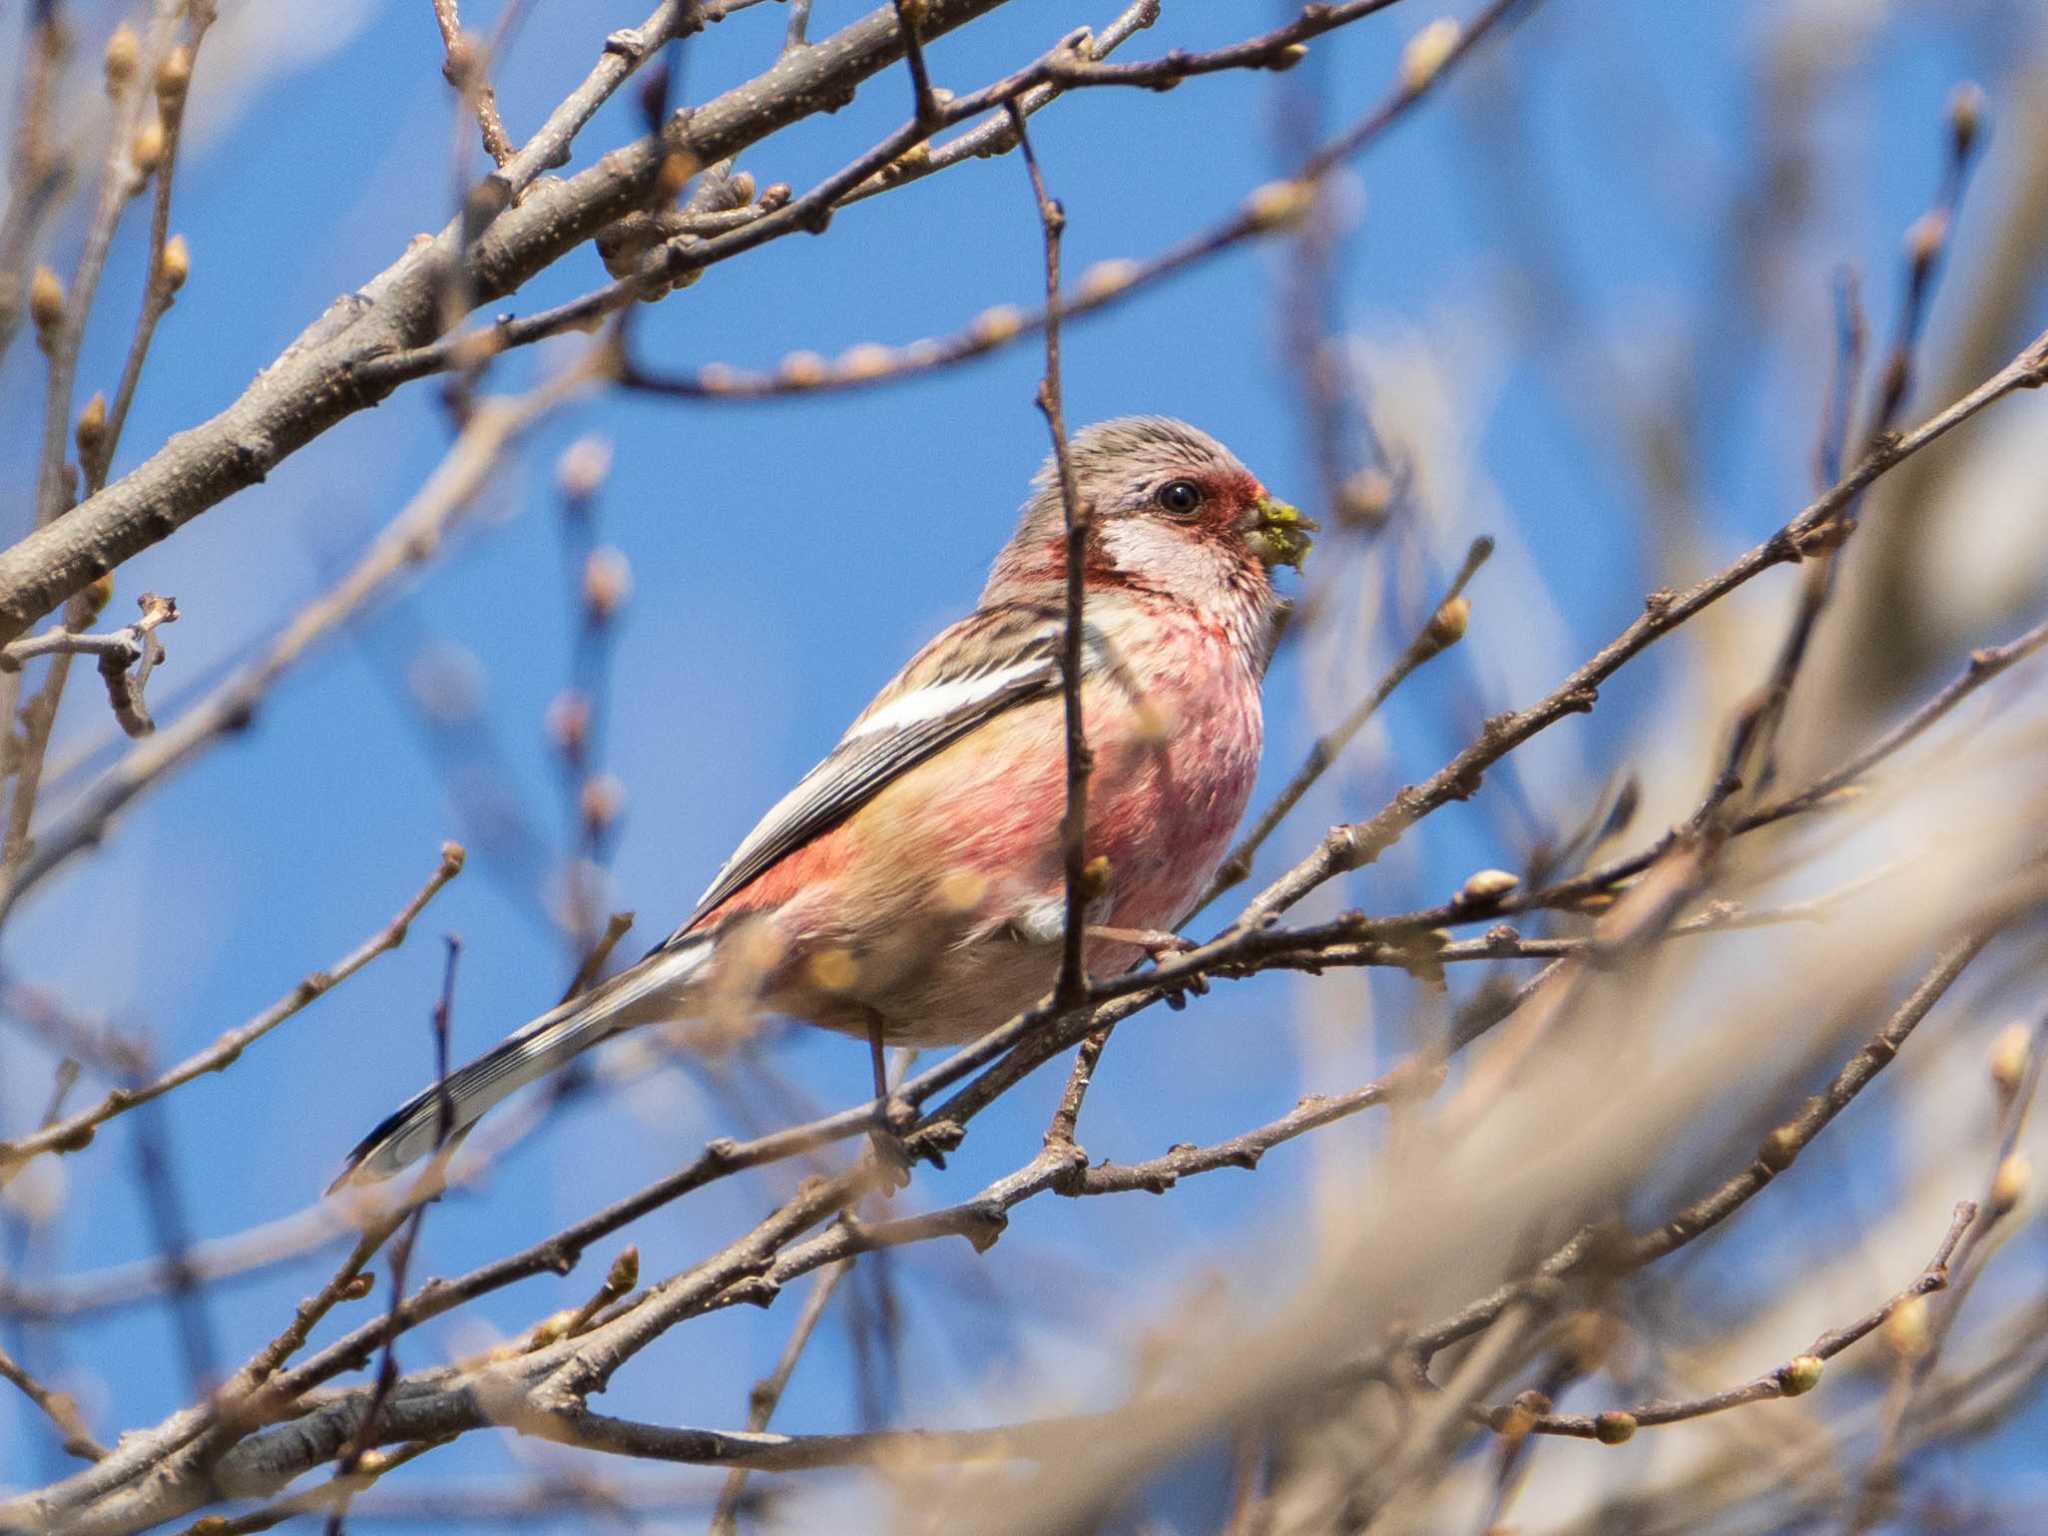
{"type": "Point", "coordinates": [989, 662]}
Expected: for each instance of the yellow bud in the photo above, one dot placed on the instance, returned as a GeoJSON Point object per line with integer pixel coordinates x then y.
{"type": "Point", "coordinates": [98, 595]}
{"type": "Point", "coordinates": [2010, 1184]}
{"type": "Point", "coordinates": [177, 263]}
{"type": "Point", "coordinates": [804, 370]}
{"type": "Point", "coordinates": [1094, 877]}
{"type": "Point", "coordinates": [676, 171]}
{"type": "Point", "coordinates": [147, 152]}
{"type": "Point", "coordinates": [1106, 278]}
{"type": "Point", "coordinates": [1800, 1375]}
{"type": "Point", "coordinates": [1427, 52]}
{"type": "Point", "coordinates": [46, 301]}
{"type": "Point", "coordinates": [1906, 1329]}
{"type": "Point", "coordinates": [868, 360]}
{"type": "Point", "coordinates": [1614, 1428]}
{"type": "Point", "coordinates": [124, 53]}
{"type": "Point", "coordinates": [996, 325]}
{"type": "Point", "coordinates": [1447, 624]}
{"type": "Point", "coordinates": [1279, 203]}
{"type": "Point", "coordinates": [1288, 56]}
{"type": "Point", "coordinates": [92, 429]}
{"type": "Point", "coordinates": [174, 78]}
{"type": "Point", "coordinates": [1487, 885]}
{"type": "Point", "coordinates": [2009, 1054]}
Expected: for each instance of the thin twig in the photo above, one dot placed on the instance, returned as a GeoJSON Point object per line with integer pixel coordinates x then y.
{"type": "Point", "coordinates": [58, 1407]}
{"type": "Point", "coordinates": [466, 66]}
{"type": "Point", "coordinates": [76, 1131]}
{"type": "Point", "coordinates": [1081, 884]}
{"type": "Point", "coordinates": [767, 1393]}
{"type": "Point", "coordinates": [1445, 627]}
{"type": "Point", "coordinates": [1792, 1379]}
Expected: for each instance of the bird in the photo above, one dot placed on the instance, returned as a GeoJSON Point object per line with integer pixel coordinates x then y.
{"type": "Point", "coordinates": [911, 888]}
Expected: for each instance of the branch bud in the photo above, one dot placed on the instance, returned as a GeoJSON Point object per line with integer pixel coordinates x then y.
{"type": "Point", "coordinates": [625, 1271]}
{"type": "Point", "coordinates": [804, 370]}
{"type": "Point", "coordinates": [1926, 237]}
{"type": "Point", "coordinates": [607, 582]}
{"type": "Point", "coordinates": [1800, 1375]}
{"type": "Point", "coordinates": [2010, 1184]}
{"type": "Point", "coordinates": [174, 79]}
{"type": "Point", "coordinates": [46, 304]}
{"type": "Point", "coordinates": [124, 54]}
{"type": "Point", "coordinates": [1106, 278]}
{"type": "Point", "coordinates": [1427, 53]}
{"type": "Point", "coordinates": [1278, 204]}
{"type": "Point", "coordinates": [1615, 1428]}
{"type": "Point", "coordinates": [868, 360]}
{"type": "Point", "coordinates": [581, 470]}
{"type": "Point", "coordinates": [1485, 887]}
{"type": "Point", "coordinates": [567, 722]}
{"type": "Point", "coordinates": [1447, 624]}
{"type": "Point", "coordinates": [1365, 498]}
{"type": "Point", "coordinates": [1965, 116]}
{"type": "Point", "coordinates": [91, 432]}
{"type": "Point", "coordinates": [1905, 1331]}
{"type": "Point", "coordinates": [998, 324]}
{"type": "Point", "coordinates": [602, 801]}
{"type": "Point", "coordinates": [2009, 1054]}
{"type": "Point", "coordinates": [177, 263]}
{"type": "Point", "coordinates": [147, 151]}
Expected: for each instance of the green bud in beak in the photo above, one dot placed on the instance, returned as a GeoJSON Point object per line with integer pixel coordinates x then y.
{"type": "Point", "coordinates": [1279, 534]}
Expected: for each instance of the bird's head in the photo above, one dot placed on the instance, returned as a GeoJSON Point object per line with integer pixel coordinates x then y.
{"type": "Point", "coordinates": [1171, 513]}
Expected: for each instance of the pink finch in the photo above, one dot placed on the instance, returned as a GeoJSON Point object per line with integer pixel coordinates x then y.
{"type": "Point", "coordinates": [910, 889]}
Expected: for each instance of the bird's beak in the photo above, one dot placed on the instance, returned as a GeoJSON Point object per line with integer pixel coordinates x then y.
{"type": "Point", "coordinates": [1277, 533]}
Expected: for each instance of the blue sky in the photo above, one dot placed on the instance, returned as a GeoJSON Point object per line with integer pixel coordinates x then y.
{"type": "Point", "coordinates": [787, 555]}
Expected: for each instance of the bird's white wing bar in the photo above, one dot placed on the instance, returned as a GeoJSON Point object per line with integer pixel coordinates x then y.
{"type": "Point", "coordinates": [916, 724]}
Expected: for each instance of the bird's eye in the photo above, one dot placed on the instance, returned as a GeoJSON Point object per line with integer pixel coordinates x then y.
{"type": "Point", "coordinates": [1180, 498]}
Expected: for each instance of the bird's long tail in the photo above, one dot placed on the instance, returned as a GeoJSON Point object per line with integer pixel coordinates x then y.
{"type": "Point", "coordinates": [445, 1110]}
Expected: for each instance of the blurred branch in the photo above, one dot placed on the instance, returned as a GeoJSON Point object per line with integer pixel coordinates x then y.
{"type": "Point", "coordinates": [1444, 629]}
{"type": "Point", "coordinates": [1797, 1376]}
{"type": "Point", "coordinates": [76, 1131]}
{"type": "Point", "coordinates": [325, 375]}
{"type": "Point", "coordinates": [57, 1407]}
{"type": "Point", "coordinates": [466, 66]}
{"type": "Point", "coordinates": [767, 1393]}
{"type": "Point", "coordinates": [414, 537]}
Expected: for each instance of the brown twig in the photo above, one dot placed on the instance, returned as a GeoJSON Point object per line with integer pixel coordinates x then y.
{"type": "Point", "coordinates": [58, 1407]}
{"type": "Point", "coordinates": [466, 66]}
{"type": "Point", "coordinates": [76, 1131]}
{"type": "Point", "coordinates": [1444, 629]}
{"type": "Point", "coordinates": [1797, 1376]}
{"type": "Point", "coordinates": [1081, 885]}
{"type": "Point", "coordinates": [351, 1457]}
{"type": "Point", "coordinates": [414, 537]}
{"type": "Point", "coordinates": [169, 260]}
{"type": "Point", "coordinates": [767, 1393]}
